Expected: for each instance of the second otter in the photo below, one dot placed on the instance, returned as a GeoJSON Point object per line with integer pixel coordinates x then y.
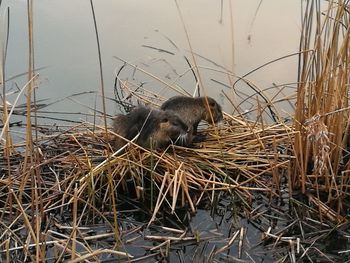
{"type": "Point", "coordinates": [157, 128]}
{"type": "Point", "coordinates": [192, 110]}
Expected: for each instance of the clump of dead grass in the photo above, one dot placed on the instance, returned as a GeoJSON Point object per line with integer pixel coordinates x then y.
{"type": "Point", "coordinates": [76, 172]}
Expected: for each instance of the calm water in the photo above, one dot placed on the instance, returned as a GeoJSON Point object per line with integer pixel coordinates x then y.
{"type": "Point", "coordinates": [65, 45]}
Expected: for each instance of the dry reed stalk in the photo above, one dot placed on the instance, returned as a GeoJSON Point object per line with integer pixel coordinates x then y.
{"type": "Point", "coordinates": [27, 223]}
{"type": "Point", "coordinates": [197, 75]}
{"type": "Point", "coordinates": [240, 243]}
{"type": "Point", "coordinates": [29, 142]}
{"type": "Point", "coordinates": [229, 244]}
{"type": "Point", "coordinates": [168, 238]}
{"type": "Point", "coordinates": [176, 89]}
{"type": "Point", "coordinates": [8, 145]}
{"type": "Point", "coordinates": [166, 243]}
{"type": "Point", "coordinates": [7, 247]}
{"type": "Point", "coordinates": [323, 88]}
{"type": "Point", "coordinates": [74, 223]}
{"type": "Point", "coordinates": [132, 91]}
{"type": "Point", "coordinates": [6, 128]}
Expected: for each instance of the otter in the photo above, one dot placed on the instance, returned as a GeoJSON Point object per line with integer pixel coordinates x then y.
{"type": "Point", "coordinates": [157, 128]}
{"type": "Point", "coordinates": [192, 110]}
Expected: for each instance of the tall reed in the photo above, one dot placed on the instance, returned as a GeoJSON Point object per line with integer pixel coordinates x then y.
{"type": "Point", "coordinates": [8, 147]}
{"type": "Point", "coordinates": [29, 142]}
{"type": "Point", "coordinates": [322, 113]}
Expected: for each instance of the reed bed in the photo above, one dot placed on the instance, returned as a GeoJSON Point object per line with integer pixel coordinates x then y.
{"type": "Point", "coordinates": [245, 154]}
{"type": "Point", "coordinates": [250, 191]}
{"type": "Point", "coordinates": [322, 115]}
{"type": "Point", "coordinates": [79, 180]}
{"type": "Point", "coordinates": [83, 200]}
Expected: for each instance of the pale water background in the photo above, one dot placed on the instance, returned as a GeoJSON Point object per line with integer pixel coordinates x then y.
{"type": "Point", "coordinates": [65, 44]}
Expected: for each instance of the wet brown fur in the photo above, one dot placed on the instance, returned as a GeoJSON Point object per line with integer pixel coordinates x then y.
{"type": "Point", "coordinates": [192, 110]}
{"type": "Point", "coordinates": [157, 128]}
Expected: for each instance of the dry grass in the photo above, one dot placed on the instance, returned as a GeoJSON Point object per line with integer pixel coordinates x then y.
{"type": "Point", "coordinates": [322, 113]}
{"type": "Point", "coordinates": [74, 178]}
{"type": "Point", "coordinates": [68, 195]}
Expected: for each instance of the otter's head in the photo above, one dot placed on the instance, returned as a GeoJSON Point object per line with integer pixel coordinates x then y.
{"type": "Point", "coordinates": [171, 129]}
{"type": "Point", "coordinates": [213, 110]}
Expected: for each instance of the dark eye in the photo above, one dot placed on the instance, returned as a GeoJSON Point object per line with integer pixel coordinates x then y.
{"type": "Point", "coordinates": [212, 104]}
{"type": "Point", "coordinates": [165, 119]}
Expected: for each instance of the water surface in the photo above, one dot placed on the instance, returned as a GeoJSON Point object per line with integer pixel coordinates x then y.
{"type": "Point", "coordinates": [65, 44]}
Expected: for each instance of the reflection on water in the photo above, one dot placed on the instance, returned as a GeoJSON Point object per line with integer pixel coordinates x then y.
{"type": "Point", "coordinates": [65, 44]}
